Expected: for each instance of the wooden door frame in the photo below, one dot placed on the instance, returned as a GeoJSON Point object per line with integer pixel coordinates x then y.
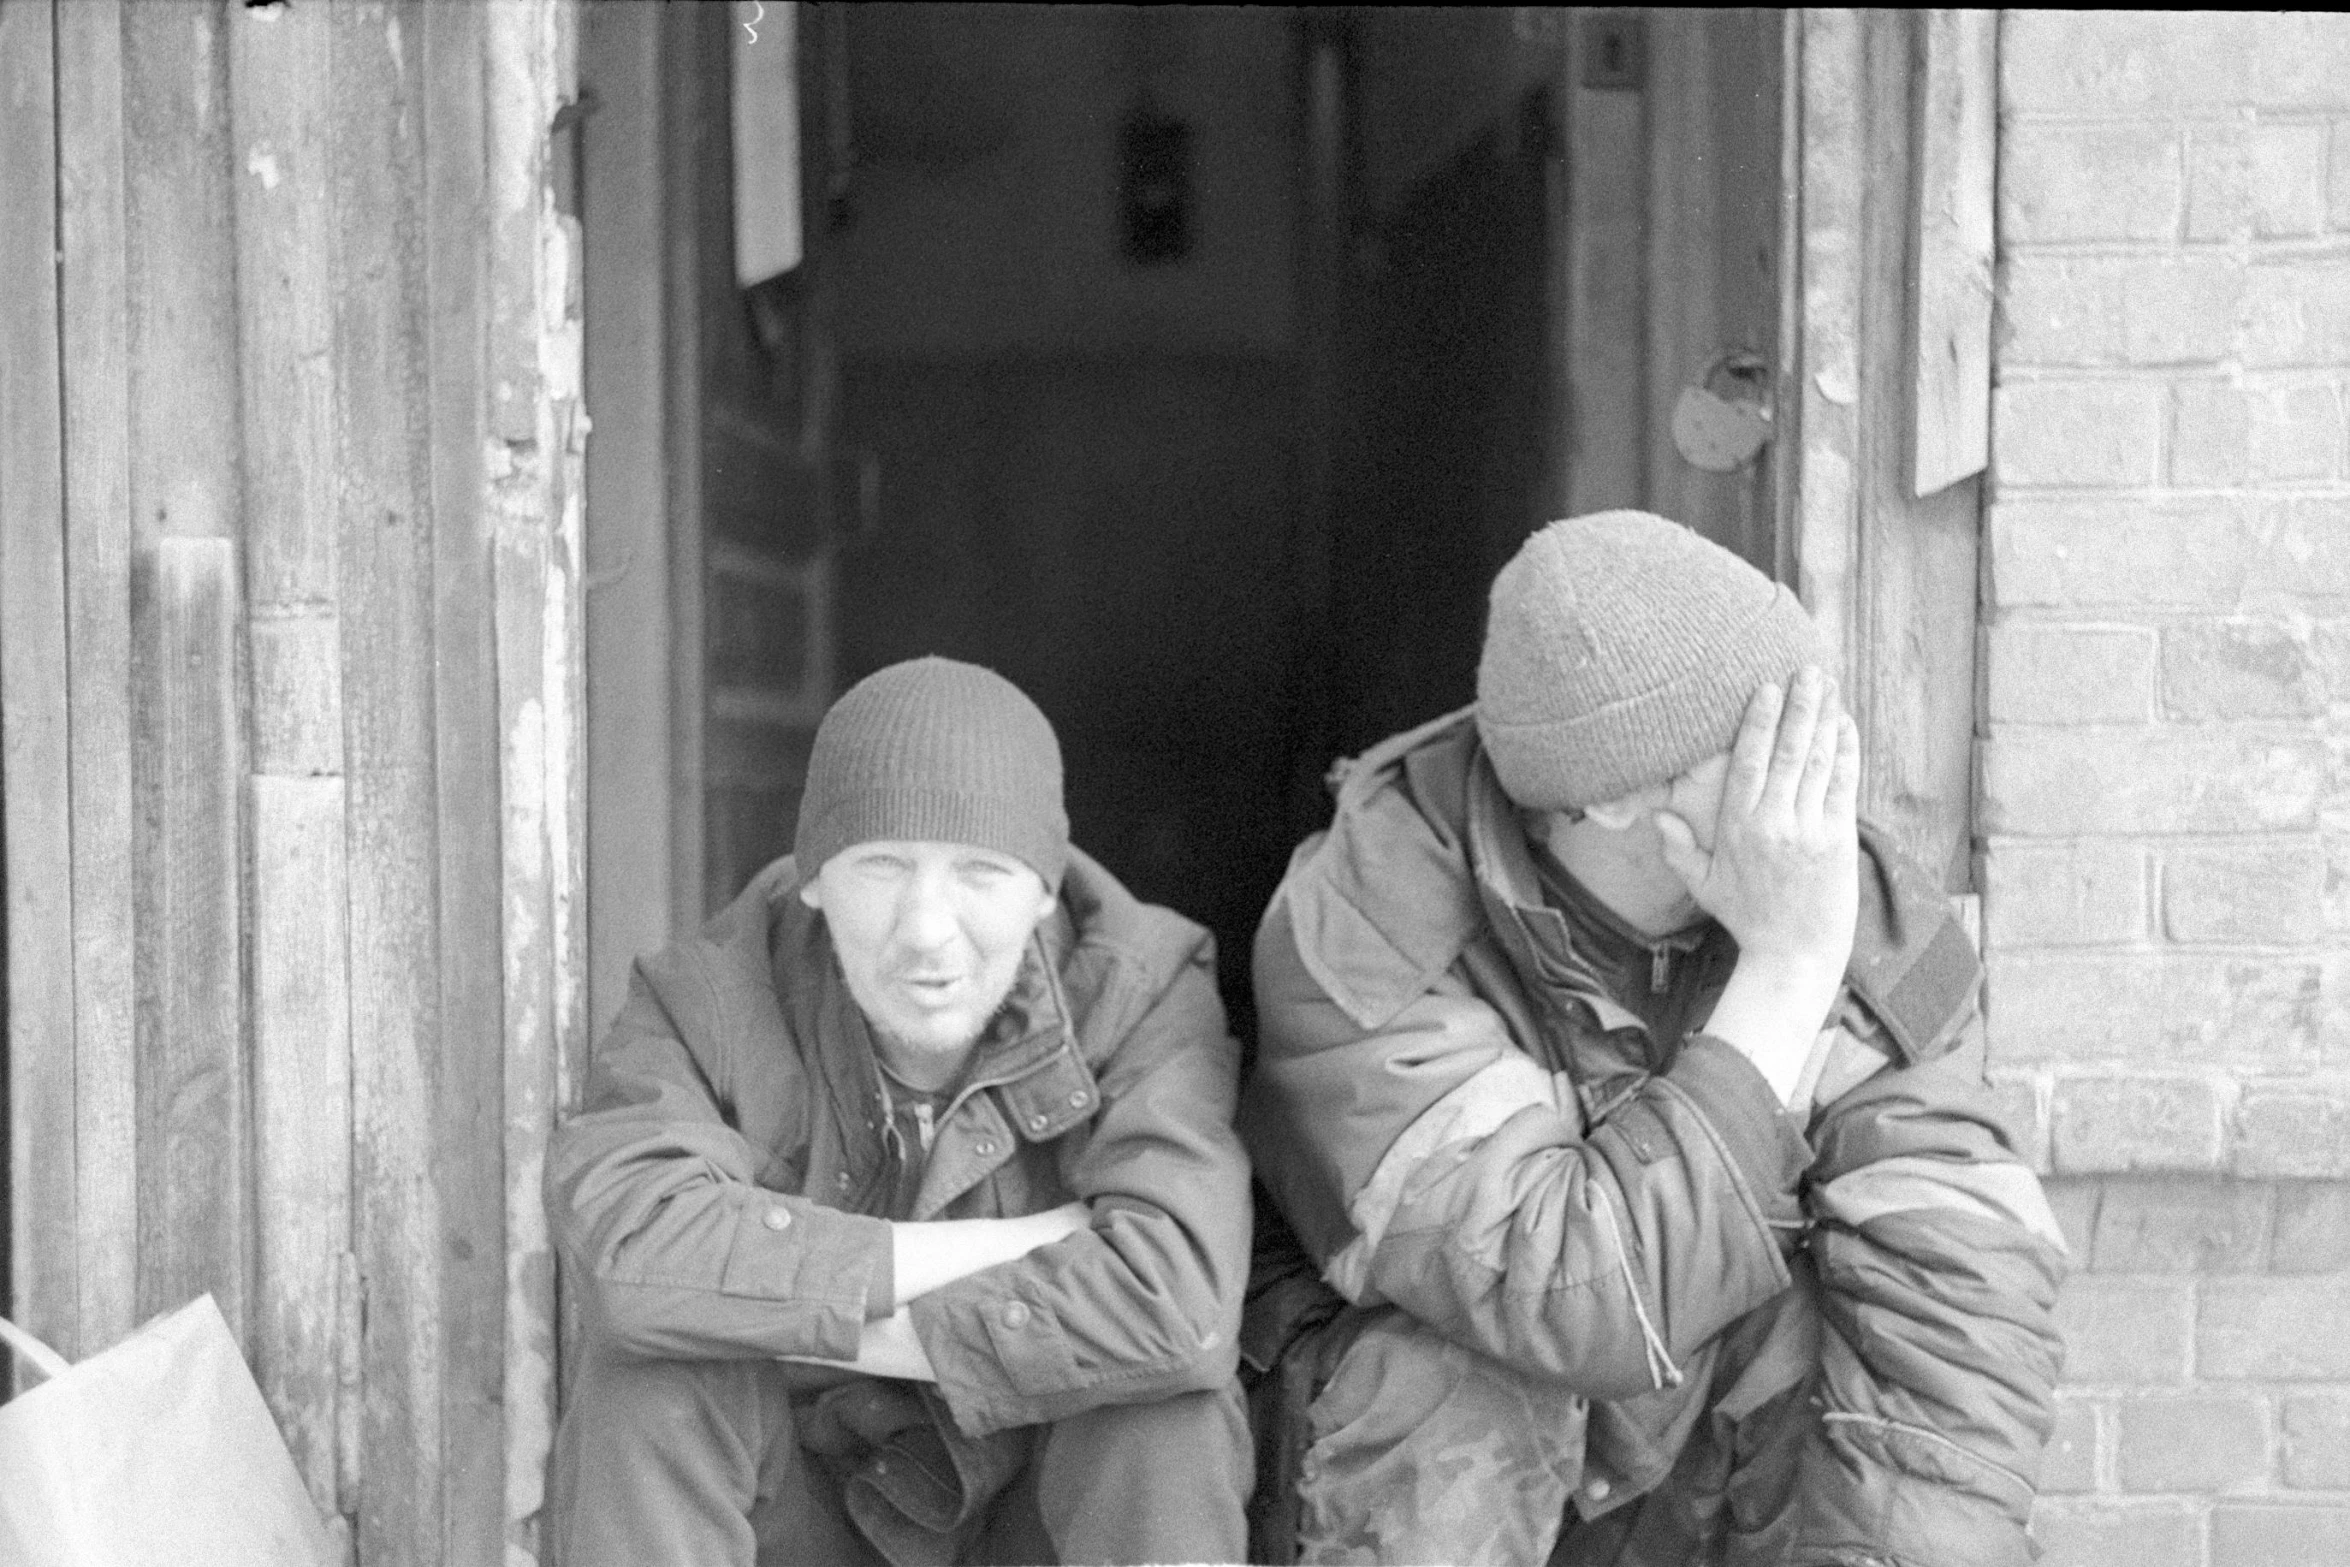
{"type": "Point", "coordinates": [1887, 130]}
{"type": "Point", "coordinates": [643, 613]}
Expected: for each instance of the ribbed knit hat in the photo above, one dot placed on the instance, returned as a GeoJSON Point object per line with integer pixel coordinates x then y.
{"type": "Point", "coordinates": [1621, 650]}
{"type": "Point", "coordinates": [940, 751]}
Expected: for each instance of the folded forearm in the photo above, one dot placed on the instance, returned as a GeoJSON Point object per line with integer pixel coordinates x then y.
{"type": "Point", "coordinates": [886, 1348]}
{"type": "Point", "coordinates": [930, 1255]}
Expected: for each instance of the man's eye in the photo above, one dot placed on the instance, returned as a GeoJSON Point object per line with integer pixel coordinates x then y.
{"type": "Point", "coordinates": [984, 872]}
{"type": "Point", "coordinates": [882, 865]}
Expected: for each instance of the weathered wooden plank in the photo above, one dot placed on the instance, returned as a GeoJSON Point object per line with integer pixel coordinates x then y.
{"type": "Point", "coordinates": [193, 1112]}
{"type": "Point", "coordinates": [534, 504]}
{"type": "Point", "coordinates": [301, 1113]}
{"type": "Point", "coordinates": [297, 674]}
{"type": "Point", "coordinates": [1913, 693]}
{"type": "Point", "coordinates": [1713, 242]}
{"type": "Point", "coordinates": [384, 545]}
{"type": "Point", "coordinates": [529, 933]}
{"type": "Point", "coordinates": [460, 231]}
{"type": "Point", "coordinates": [692, 45]}
{"type": "Point", "coordinates": [280, 95]}
{"type": "Point", "coordinates": [98, 528]}
{"type": "Point", "coordinates": [187, 767]}
{"type": "Point", "coordinates": [180, 271]}
{"type": "Point", "coordinates": [1826, 517]}
{"type": "Point", "coordinates": [629, 643]}
{"type": "Point", "coordinates": [34, 745]}
{"type": "Point", "coordinates": [1954, 98]}
{"type": "Point", "coordinates": [1606, 327]}
{"type": "Point", "coordinates": [1683, 209]}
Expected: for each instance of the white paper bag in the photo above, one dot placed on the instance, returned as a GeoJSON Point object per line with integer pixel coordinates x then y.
{"type": "Point", "coordinates": [158, 1451]}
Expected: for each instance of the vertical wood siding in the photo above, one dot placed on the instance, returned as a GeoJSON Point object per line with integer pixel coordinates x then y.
{"type": "Point", "coordinates": [1890, 575]}
{"type": "Point", "coordinates": [289, 538]}
{"type": "Point", "coordinates": [34, 746]}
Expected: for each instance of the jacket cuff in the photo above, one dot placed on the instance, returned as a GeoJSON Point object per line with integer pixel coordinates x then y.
{"type": "Point", "coordinates": [1737, 1101]}
{"type": "Point", "coordinates": [994, 1352]}
{"type": "Point", "coordinates": [816, 1258]}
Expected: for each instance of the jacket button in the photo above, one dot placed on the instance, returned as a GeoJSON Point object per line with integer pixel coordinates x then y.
{"type": "Point", "coordinates": [984, 1147]}
{"type": "Point", "coordinates": [1077, 1099]}
{"type": "Point", "coordinates": [1037, 1123]}
{"type": "Point", "coordinates": [841, 1180]}
{"type": "Point", "coordinates": [1016, 1315]}
{"type": "Point", "coordinates": [776, 1218]}
{"type": "Point", "coordinates": [1597, 1490]}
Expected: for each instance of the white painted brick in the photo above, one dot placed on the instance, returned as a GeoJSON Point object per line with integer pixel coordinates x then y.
{"type": "Point", "coordinates": [2079, 892]}
{"type": "Point", "coordinates": [2338, 177]}
{"type": "Point", "coordinates": [2120, 62]}
{"type": "Point", "coordinates": [2245, 893]}
{"type": "Point", "coordinates": [2088, 182]}
{"type": "Point", "coordinates": [2300, 60]}
{"type": "Point", "coordinates": [2111, 1124]}
{"type": "Point", "coordinates": [2037, 673]}
{"type": "Point", "coordinates": [2240, 669]}
{"type": "Point", "coordinates": [2168, 1009]}
{"type": "Point", "coordinates": [2136, 310]}
{"type": "Point", "coordinates": [2293, 1133]}
{"type": "Point", "coordinates": [2055, 783]}
{"type": "Point", "coordinates": [2219, 553]}
{"type": "Point", "coordinates": [2297, 312]}
{"type": "Point", "coordinates": [2230, 435]}
{"type": "Point", "coordinates": [2256, 181]}
{"type": "Point", "coordinates": [2076, 433]}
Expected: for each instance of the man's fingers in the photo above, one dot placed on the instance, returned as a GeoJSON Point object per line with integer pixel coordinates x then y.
{"type": "Point", "coordinates": [1750, 753]}
{"type": "Point", "coordinates": [1842, 801]}
{"type": "Point", "coordinates": [1819, 764]}
{"type": "Point", "coordinates": [1681, 852]}
{"type": "Point", "coordinates": [1792, 745]}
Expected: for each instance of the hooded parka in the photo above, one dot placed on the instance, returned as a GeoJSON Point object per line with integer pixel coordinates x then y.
{"type": "Point", "coordinates": [1590, 1238]}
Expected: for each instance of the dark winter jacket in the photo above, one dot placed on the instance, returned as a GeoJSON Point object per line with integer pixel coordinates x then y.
{"type": "Point", "coordinates": [1459, 1115]}
{"type": "Point", "coordinates": [722, 1191]}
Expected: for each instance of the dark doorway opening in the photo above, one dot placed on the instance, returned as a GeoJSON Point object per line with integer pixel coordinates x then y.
{"type": "Point", "coordinates": [1226, 507]}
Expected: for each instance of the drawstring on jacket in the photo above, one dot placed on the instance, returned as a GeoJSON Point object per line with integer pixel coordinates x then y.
{"type": "Point", "coordinates": [1662, 1373]}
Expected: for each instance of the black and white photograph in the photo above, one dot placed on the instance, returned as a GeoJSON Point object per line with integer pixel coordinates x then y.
{"type": "Point", "coordinates": [913, 784]}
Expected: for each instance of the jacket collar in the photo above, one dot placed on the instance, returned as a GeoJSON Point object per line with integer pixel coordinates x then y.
{"type": "Point", "coordinates": [1028, 1055]}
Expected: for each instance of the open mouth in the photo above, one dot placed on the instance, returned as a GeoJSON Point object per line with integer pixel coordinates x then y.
{"type": "Point", "coordinates": [931, 989]}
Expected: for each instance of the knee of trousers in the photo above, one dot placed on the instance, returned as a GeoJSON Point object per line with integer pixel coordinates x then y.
{"type": "Point", "coordinates": [1186, 1430]}
{"type": "Point", "coordinates": [720, 1411]}
{"type": "Point", "coordinates": [1422, 1450]}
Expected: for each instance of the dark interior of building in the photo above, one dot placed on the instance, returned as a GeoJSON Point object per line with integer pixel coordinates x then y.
{"type": "Point", "coordinates": [1201, 358]}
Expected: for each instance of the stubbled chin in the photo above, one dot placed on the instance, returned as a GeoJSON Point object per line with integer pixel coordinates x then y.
{"type": "Point", "coordinates": [937, 1033]}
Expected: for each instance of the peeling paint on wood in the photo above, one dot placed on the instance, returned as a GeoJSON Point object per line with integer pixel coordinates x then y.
{"type": "Point", "coordinates": [93, 307]}
{"type": "Point", "coordinates": [276, 661]}
{"type": "Point", "coordinates": [193, 1109]}
{"type": "Point", "coordinates": [301, 1114]}
{"type": "Point", "coordinates": [33, 710]}
{"type": "Point", "coordinates": [1954, 97]}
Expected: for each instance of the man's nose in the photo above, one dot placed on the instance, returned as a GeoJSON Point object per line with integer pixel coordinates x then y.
{"type": "Point", "coordinates": [926, 915]}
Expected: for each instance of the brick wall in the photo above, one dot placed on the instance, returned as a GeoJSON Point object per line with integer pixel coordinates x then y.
{"type": "Point", "coordinates": [2164, 801]}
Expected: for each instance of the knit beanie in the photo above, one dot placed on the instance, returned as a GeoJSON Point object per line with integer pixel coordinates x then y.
{"type": "Point", "coordinates": [939, 751]}
{"type": "Point", "coordinates": [1620, 650]}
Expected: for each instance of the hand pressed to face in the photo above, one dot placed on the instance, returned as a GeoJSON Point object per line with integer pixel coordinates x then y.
{"type": "Point", "coordinates": [929, 937]}
{"type": "Point", "coordinates": [1780, 867]}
